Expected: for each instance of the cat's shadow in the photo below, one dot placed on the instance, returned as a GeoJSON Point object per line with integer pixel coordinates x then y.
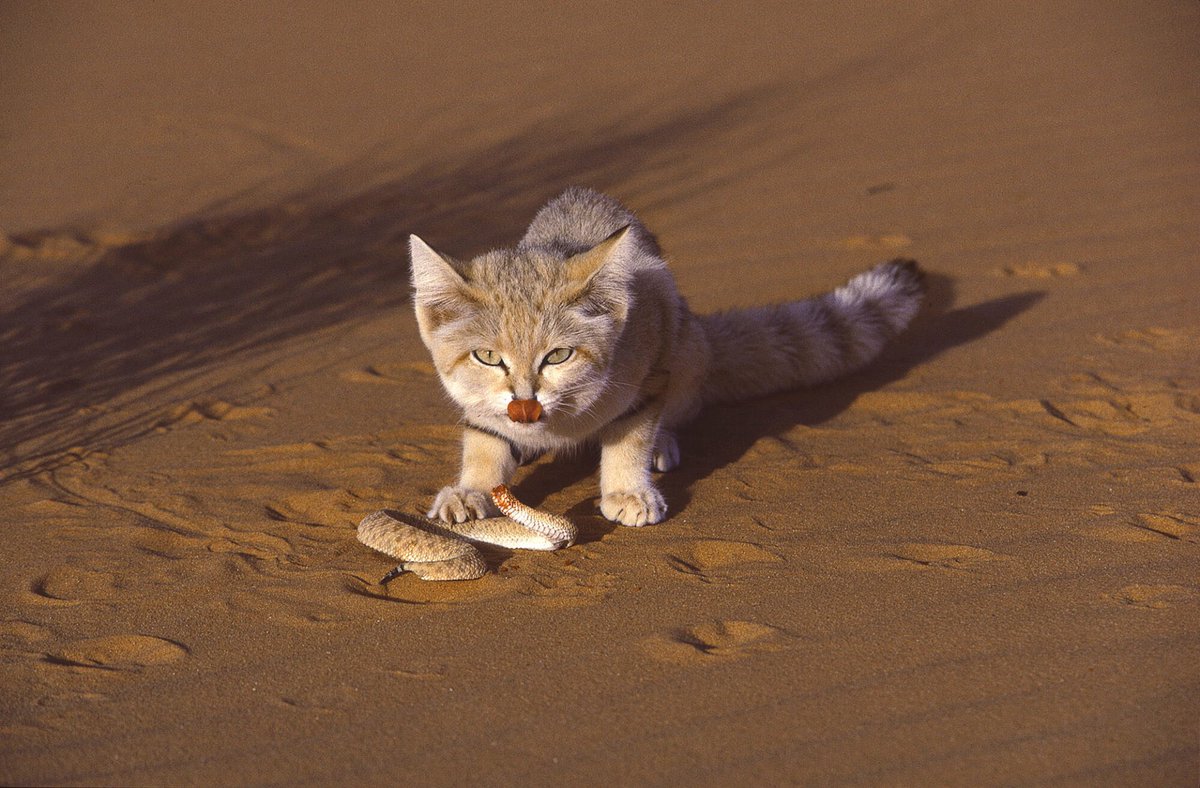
{"type": "Point", "coordinates": [722, 434]}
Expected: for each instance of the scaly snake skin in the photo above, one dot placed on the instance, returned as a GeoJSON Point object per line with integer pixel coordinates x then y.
{"type": "Point", "coordinates": [443, 551]}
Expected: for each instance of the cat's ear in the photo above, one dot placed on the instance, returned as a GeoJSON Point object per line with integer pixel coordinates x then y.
{"type": "Point", "coordinates": [600, 275]}
{"type": "Point", "coordinates": [440, 291]}
{"type": "Point", "coordinates": [584, 266]}
{"type": "Point", "coordinates": [431, 273]}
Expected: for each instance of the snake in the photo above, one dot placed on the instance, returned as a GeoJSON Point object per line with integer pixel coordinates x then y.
{"type": "Point", "coordinates": [446, 551]}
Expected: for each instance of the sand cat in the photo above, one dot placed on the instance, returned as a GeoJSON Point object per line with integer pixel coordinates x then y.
{"type": "Point", "coordinates": [579, 335]}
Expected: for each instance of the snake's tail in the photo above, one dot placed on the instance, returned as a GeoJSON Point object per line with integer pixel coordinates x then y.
{"type": "Point", "coordinates": [392, 575]}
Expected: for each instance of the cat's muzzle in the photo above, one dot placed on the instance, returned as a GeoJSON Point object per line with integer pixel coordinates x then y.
{"type": "Point", "coordinates": [525, 411]}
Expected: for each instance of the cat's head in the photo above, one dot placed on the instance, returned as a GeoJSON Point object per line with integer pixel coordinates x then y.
{"type": "Point", "coordinates": [523, 325]}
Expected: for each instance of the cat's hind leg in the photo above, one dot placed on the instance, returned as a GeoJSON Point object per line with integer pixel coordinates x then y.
{"type": "Point", "coordinates": [666, 451]}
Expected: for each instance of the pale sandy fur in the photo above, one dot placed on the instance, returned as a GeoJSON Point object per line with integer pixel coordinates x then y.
{"type": "Point", "coordinates": [589, 277]}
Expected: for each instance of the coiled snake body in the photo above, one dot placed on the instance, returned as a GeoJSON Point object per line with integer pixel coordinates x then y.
{"type": "Point", "coordinates": [444, 551]}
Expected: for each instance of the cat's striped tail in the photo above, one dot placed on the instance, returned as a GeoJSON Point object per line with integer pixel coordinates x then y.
{"type": "Point", "coordinates": [765, 349]}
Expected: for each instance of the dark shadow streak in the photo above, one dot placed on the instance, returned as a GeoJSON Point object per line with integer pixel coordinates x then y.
{"type": "Point", "coordinates": [724, 433]}
{"type": "Point", "coordinates": [86, 363]}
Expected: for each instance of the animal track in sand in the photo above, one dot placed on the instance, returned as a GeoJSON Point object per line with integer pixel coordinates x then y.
{"type": "Point", "coordinates": [1147, 527]}
{"type": "Point", "coordinates": [973, 466]}
{"type": "Point", "coordinates": [15, 633]}
{"type": "Point", "coordinates": [389, 373]}
{"type": "Point", "coordinates": [918, 556]}
{"type": "Point", "coordinates": [164, 544]}
{"type": "Point", "coordinates": [415, 452]}
{"type": "Point", "coordinates": [71, 585]}
{"type": "Point", "coordinates": [1109, 417]}
{"type": "Point", "coordinates": [1100, 402]}
{"type": "Point", "coordinates": [715, 641]}
{"type": "Point", "coordinates": [412, 591]}
{"type": "Point", "coordinates": [165, 509]}
{"type": "Point", "coordinates": [875, 243]}
{"type": "Point", "coordinates": [782, 449]}
{"type": "Point", "coordinates": [1153, 338]}
{"type": "Point", "coordinates": [417, 674]}
{"type": "Point", "coordinates": [314, 508]}
{"type": "Point", "coordinates": [290, 601]}
{"type": "Point", "coordinates": [353, 463]}
{"type": "Point", "coordinates": [55, 508]}
{"type": "Point", "coordinates": [119, 652]}
{"type": "Point", "coordinates": [1035, 270]}
{"type": "Point", "coordinates": [1156, 597]}
{"type": "Point", "coordinates": [1171, 525]}
{"type": "Point", "coordinates": [974, 462]}
{"type": "Point", "coordinates": [888, 407]}
{"type": "Point", "coordinates": [569, 589]}
{"type": "Point", "coordinates": [1121, 406]}
{"type": "Point", "coordinates": [210, 410]}
{"type": "Point", "coordinates": [705, 559]}
{"type": "Point", "coordinates": [1156, 402]}
{"type": "Point", "coordinates": [887, 402]}
{"type": "Point", "coordinates": [326, 699]}
{"type": "Point", "coordinates": [63, 246]}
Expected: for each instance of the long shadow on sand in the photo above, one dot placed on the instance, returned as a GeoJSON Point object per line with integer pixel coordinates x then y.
{"type": "Point", "coordinates": [87, 362]}
{"type": "Point", "coordinates": [724, 433]}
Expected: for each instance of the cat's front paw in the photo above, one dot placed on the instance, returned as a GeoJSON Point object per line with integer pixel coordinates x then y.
{"type": "Point", "coordinates": [459, 504]}
{"type": "Point", "coordinates": [634, 507]}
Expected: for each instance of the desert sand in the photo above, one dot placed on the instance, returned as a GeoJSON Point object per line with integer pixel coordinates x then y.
{"type": "Point", "coordinates": [974, 563]}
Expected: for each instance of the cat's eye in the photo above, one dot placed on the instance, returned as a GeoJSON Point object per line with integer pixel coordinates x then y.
{"type": "Point", "coordinates": [489, 357]}
{"type": "Point", "coordinates": [558, 355]}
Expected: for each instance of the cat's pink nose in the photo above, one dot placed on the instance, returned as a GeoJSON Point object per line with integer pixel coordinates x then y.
{"type": "Point", "coordinates": [525, 411]}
